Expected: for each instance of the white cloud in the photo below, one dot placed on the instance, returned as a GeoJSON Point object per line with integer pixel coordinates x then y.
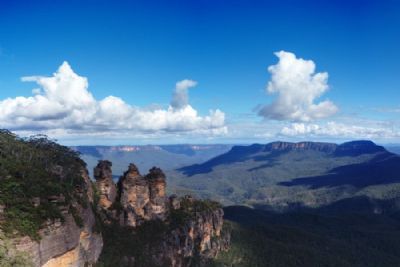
{"type": "Point", "coordinates": [298, 86]}
{"type": "Point", "coordinates": [340, 130]}
{"type": "Point", "coordinates": [180, 98]}
{"type": "Point", "coordinates": [64, 104]}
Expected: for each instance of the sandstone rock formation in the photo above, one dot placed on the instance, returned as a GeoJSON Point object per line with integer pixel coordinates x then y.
{"type": "Point", "coordinates": [158, 200]}
{"type": "Point", "coordinates": [188, 229]}
{"type": "Point", "coordinates": [199, 238]}
{"type": "Point", "coordinates": [134, 197]}
{"type": "Point", "coordinates": [183, 229]}
{"type": "Point", "coordinates": [104, 183]}
{"type": "Point", "coordinates": [65, 243]}
{"type": "Point", "coordinates": [194, 236]}
{"type": "Point", "coordinates": [52, 213]}
{"type": "Point", "coordinates": [142, 198]}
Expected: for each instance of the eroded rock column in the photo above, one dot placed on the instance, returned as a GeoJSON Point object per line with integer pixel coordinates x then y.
{"type": "Point", "coordinates": [105, 184]}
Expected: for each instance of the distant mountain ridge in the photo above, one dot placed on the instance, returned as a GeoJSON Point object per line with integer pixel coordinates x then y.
{"type": "Point", "coordinates": [167, 157]}
{"type": "Point", "coordinates": [286, 175]}
{"type": "Point", "coordinates": [240, 153]}
{"type": "Point", "coordinates": [393, 148]}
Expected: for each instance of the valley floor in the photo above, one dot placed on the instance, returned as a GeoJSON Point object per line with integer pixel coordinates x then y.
{"type": "Point", "coordinates": [261, 238]}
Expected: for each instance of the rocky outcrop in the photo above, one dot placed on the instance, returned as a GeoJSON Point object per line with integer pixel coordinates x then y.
{"type": "Point", "coordinates": [163, 231]}
{"type": "Point", "coordinates": [172, 231]}
{"type": "Point", "coordinates": [140, 198]}
{"type": "Point", "coordinates": [192, 235]}
{"type": "Point", "coordinates": [71, 242]}
{"type": "Point", "coordinates": [285, 146]}
{"type": "Point", "coordinates": [63, 244]}
{"type": "Point", "coordinates": [104, 183]}
{"type": "Point", "coordinates": [51, 212]}
{"type": "Point", "coordinates": [158, 200]}
{"type": "Point", "coordinates": [134, 197]}
{"type": "Point", "coordinates": [199, 239]}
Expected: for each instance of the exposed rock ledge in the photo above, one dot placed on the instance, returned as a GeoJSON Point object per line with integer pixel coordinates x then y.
{"type": "Point", "coordinates": [65, 243]}
{"type": "Point", "coordinates": [158, 231]}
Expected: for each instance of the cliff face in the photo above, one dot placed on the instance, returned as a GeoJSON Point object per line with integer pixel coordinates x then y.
{"type": "Point", "coordinates": [285, 146]}
{"type": "Point", "coordinates": [64, 242]}
{"type": "Point", "coordinates": [53, 215]}
{"type": "Point", "coordinates": [140, 225]}
{"type": "Point", "coordinates": [199, 239]}
{"type": "Point", "coordinates": [154, 230]}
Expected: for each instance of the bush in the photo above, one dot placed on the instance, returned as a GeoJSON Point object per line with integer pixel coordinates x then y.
{"type": "Point", "coordinates": [9, 257]}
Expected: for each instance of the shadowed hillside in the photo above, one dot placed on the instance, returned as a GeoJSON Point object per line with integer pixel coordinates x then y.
{"type": "Point", "coordinates": [261, 238]}
{"type": "Point", "coordinates": [283, 175]}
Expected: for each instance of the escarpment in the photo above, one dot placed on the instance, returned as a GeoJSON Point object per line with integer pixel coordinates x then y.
{"type": "Point", "coordinates": [154, 230]}
{"type": "Point", "coordinates": [197, 236]}
{"type": "Point", "coordinates": [46, 200]}
{"type": "Point", "coordinates": [70, 240]}
{"type": "Point", "coordinates": [53, 215]}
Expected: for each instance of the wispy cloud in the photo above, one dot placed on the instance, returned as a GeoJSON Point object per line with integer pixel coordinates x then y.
{"type": "Point", "coordinates": [387, 109]}
{"type": "Point", "coordinates": [339, 130]}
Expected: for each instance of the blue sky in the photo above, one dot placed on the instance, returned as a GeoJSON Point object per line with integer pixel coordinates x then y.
{"type": "Point", "coordinates": [139, 51]}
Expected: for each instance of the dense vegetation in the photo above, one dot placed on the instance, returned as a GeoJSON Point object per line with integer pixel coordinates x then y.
{"type": "Point", "coordinates": [266, 239]}
{"type": "Point", "coordinates": [121, 244]}
{"type": "Point", "coordinates": [291, 178]}
{"type": "Point", "coordinates": [125, 246]}
{"type": "Point", "coordinates": [40, 179]}
{"type": "Point", "coordinates": [15, 259]}
{"type": "Point", "coordinates": [37, 178]}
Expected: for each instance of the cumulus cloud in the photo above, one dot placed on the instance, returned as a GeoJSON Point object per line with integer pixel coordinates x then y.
{"type": "Point", "coordinates": [335, 129]}
{"type": "Point", "coordinates": [180, 98]}
{"type": "Point", "coordinates": [63, 102]}
{"type": "Point", "coordinates": [297, 87]}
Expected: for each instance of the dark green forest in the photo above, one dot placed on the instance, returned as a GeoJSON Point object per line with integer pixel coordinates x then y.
{"type": "Point", "coordinates": [261, 238]}
{"type": "Point", "coordinates": [33, 172]}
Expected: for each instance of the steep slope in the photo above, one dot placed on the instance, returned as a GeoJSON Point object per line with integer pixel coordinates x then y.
{"type": "Point", "coordinates": [143, 227]}
{"type": "Point", "coordinates": [53, 215]}
{"type": "Point", "coordinates": [283, 175]}
{"type": "Point", "coordinates": [46, 203]}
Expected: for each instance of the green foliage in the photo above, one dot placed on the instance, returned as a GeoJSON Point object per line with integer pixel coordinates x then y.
{"type": "Point", "coordinates": [199, 205]}
{"type": "Point", "coordinates": [189, 208]}
{"type": "Point", "coordinates": [9, 257]}
{"type": "Point", "coordinates": [34, 171]}
{"type": "Point", "coordinates": [270, 178]}
{"type": "Point", "coordinates": [122, 242]}
{"type": "Point", "coordinates": [304, 239]}
{"type": "Point", "coordinates": [179, 217]}
{"type": "Point", "coordinates": [75, 214]}
{"type": "Point", "coordinates": [96, 195]}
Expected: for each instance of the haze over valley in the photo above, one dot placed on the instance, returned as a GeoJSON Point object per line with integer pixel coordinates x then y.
{"type": "Point", "coordinates": [200, 133]}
